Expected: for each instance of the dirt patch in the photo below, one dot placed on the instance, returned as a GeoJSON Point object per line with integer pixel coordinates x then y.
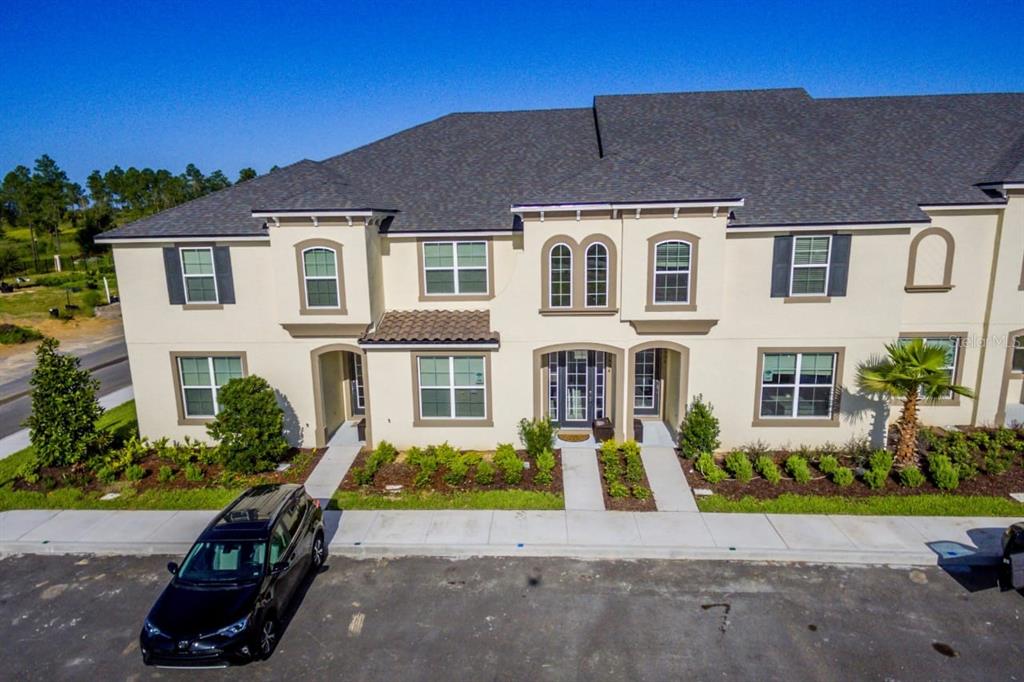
{"type": "Point", "coordinates": [983, 485]}
{"type": "Point", "coordinates": [302, 463]}
{"type": "Point", "coordinates": [79, 335]}
{"type": "Point", "coordinates": [401, 473]}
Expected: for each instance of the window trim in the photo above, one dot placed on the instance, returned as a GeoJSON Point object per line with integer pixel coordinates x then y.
{"type": "Point", "coordinates": [911, 286]}
{"type": "Point", "coordinates": [958, 362]}
{"type": "Point", "coordinates": [551, 279]}
{"type": "Point", "coordinates": [488, 268]}
{"type": "Point", "coordinates": [300, 265]}
{"type": "Point", "coordinates": [655, 272]}
{"type": "Point", "coordinates": [178, 383]}
{"type": "Point", "coordinates": [185, 277]}
{"type": "Point", "coordinates": [420, 420]}
{"type": "Point", "coordinates": [793, 266]}
{"type": "Point", "coordinates": [307, 277]}
{"type": "Point", "coordinates": [791, 421]}
{"type": "Point", "coordinates": [586, 274]}
{"type": "Point", "coordinates": [652, 250]}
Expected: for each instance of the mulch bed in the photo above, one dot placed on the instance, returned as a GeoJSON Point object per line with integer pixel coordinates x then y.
{"type": "Point", "coordinates": [626, 503]}
{"type": "Point", "coordinates": [303, 462]}
{"type": "Point", "coordinates": [1012, 481]}
{"type": "Point", "coordinates": [403, 474]}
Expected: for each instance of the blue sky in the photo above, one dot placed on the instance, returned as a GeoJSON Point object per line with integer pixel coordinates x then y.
{"type": "Point", "coordinates": [227, 85]}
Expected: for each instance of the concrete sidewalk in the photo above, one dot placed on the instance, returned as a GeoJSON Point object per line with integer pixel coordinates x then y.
{"type": "Point", "coordinates": [19, 440]}
{"type": "Point", "coordinates": [575, 534]}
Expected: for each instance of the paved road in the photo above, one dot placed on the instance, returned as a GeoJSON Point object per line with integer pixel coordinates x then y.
{"type": "Point", "coordinates": [520, 619]}
{"type": "Point", "coordinates": [13, 413]}
{"type": "Point", "coordinates": [12, 383]}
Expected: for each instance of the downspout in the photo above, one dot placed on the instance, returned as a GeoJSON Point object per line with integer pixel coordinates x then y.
{"type": "Point", "coordinates": [985, 346]}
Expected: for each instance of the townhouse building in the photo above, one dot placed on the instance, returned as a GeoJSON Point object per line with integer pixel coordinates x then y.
{"type": "Point", "coordinates": [607, 262]}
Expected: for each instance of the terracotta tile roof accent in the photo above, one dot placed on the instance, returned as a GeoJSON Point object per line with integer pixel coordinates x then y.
{"type": "Point", "coordinates": [433, 326]}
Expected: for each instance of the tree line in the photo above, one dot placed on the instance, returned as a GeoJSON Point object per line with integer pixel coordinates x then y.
{"type": "Point", "coordinates": [43, 199]}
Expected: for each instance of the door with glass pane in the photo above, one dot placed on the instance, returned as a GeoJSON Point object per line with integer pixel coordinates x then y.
{"type": "Point", "coordinates": [357, 388]}
{"type": "Point", "coordinates": [576, 387]}
{"type": "Point", "coordinates": [647, 383]}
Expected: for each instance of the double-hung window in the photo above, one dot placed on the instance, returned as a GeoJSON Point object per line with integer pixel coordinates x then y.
{"type": "Point", "coordinates": [201, 379]}
{"type": "Point", "coordinates": [810, 265]}
{"type": "Point", "coordinates": [560, 276]}
{"type": "Point", "coordinates": [672, 272]}
{"type": "Point", "coordinates": [458, 268]}
{"type": "Point", "coordinates": [797, 385]}
{"type": "Point", "coordinates": [1017, 356]}
{"type": "Point", "coordinates": [452, 387]}
{"type": "Point", "coordinates": [597, 276]}
{"type": "Point", "coordinates": [320, 274]}
{"type": "Point", "coordinates": [950, 344]}
{"type": "Point", "coordinates": [199, 275]}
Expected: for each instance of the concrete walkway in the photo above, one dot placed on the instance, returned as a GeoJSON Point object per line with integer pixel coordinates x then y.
{"type": "Point", "coordinates": [668, 483]}
{"type": "Point", "coordinates": [342, 449]}
{"type": "Point", "coordinates": [579, 534]}
{"type": "Point", "coordinates": [581, 479]}
{"type": "Point", "coordinates": [19, 440]}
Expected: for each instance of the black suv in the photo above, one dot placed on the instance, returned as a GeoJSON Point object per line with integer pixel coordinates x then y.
{"type": "Point", "coordinates": [223, 604]}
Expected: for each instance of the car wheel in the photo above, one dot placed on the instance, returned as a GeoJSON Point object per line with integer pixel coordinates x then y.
{"type": "Point", "coordinates": [268, 637]}
{"type": "Point", "coordinates": [319, 550]}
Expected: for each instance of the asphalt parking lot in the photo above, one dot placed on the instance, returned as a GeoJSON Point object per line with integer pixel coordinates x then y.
{"type": "Point", "coordinates": [78, 618]}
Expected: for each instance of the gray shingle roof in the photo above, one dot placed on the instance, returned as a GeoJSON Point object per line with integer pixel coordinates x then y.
{"type": "Point", "coordinates": [433, 326]}
{"type": "Point", "coordinates": [792, 158]}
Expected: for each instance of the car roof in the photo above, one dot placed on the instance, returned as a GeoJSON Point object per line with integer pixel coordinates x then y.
{"type": "Point", "coordinates": [252, 514]}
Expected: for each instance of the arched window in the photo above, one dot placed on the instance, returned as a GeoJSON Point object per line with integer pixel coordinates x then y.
{"type": "Point", "coordinates": [597, 276]}
{"type": "Point", "coordinates": [672, 272]}
{"type": "Point", "coordinates": [560, 269]}
{"type": "Point", "coordinates": [320, 274]}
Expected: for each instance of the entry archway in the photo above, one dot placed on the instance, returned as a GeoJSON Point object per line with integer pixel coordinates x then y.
{"type": "Point", "coordinates": [340, 389]}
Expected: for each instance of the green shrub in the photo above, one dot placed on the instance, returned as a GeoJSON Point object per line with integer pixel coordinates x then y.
{"type": "Point", "coordinates": [536, 435]}
{"type": "Point", "coordinates": [842, 476]}
{"type": "Point", "coordinates": [706, 467]}
{"type": "Point", "coordinates": [911, 477]}
{"type": "Point", "coordinates": [249, 426]}
{"type": "Point", "coordinates": [62, 426]}
{"type": "Point", "coordinates": [797, 467]}
{"type": "Point", "coordinates": [92, 298]}
{"type": "Point", "coordinates": [193, 472]}
{"type": "Point", "coordinates": [611, 462]}
{"type": "Point", "coordinates": [943, 472]}
{"type": "Point", "coordinates": [446, 454]}
{"type": "Point", "coordinates": [105, 474]}
{"type": "Point", "coordinates": [767, 467]}
{"type": "Point", "coordinates": [828, 464]}
{"type": "Point", "coordinates": [485, 471]}
{"type": "Point", "coordinates": [876, 478]}
{"type": "Point", "coordinates": [738, 464]}
{"type": "Point", "coordinates": [998, 459]}
{"type": "Point", "coordinates": [135, 472]}
{"type": "Point", "coordinates": [756, 448]}
{"type": "Point", "coordinates": [384, 453]}
{"type": "Point", "coordinates": [545, 463]}
{"type": "Point", "coordinates": [961, 453]}
{"type": "Point", "coordinates": [457, 470]}
{"type": "Point", "coordinates": [12, 334]}
{"type": "Point", "coordinates": [165, 474]}
{"type": "Point", "coordinates": [881, 460]}
{"type": "Point", "coordinates": [699, 431]}
{"type": "Point", "coordinates": [618, 489]}
{"type": "Point", "coordinates": [426, 464]}
{"type": "Point", "coordinates": [640, 492]}
{"type": "Point", "coordinates": [634, 464]}
{"type": "Point", "coordinates": [508, 462]}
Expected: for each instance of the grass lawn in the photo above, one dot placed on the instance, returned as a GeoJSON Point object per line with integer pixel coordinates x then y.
{"type": "Point", "coordinates": [482, 499]}
{"type": "Point", "coordinates": [120, 419]}
{"type": "Point", "coordinates": [896, 505]}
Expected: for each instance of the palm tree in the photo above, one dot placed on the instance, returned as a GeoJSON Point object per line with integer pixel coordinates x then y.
{"type": "Point", "coordinates": [913, 371]}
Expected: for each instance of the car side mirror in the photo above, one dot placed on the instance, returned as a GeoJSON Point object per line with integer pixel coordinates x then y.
{"type": "Point", "coordinates": [172, 568]}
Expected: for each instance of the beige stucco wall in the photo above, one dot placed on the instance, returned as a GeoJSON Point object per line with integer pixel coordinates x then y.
{"type": "Point", "coordinates": [733, 295]}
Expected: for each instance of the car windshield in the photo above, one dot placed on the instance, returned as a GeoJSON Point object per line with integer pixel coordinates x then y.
{"type": "Point", "coordinates": [219, 562]}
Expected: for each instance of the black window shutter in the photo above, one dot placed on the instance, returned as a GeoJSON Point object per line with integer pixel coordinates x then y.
{"type": "Point", "coordinates": [172, 270]}
{"type": "Point", "coordinates": [782, 255]}
{"type": "Point", "coordinates": [839, 266]}
{"type": "Point", "coordinates": [225, 281]}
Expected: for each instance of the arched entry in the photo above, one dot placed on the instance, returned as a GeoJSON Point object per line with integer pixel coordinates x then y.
{"type": "Point", "coordinates": [340, 389]}
{"type": "Point", "coordinates": [576, 383]}
{"type": "Point", "coordinates": [657, 386]}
